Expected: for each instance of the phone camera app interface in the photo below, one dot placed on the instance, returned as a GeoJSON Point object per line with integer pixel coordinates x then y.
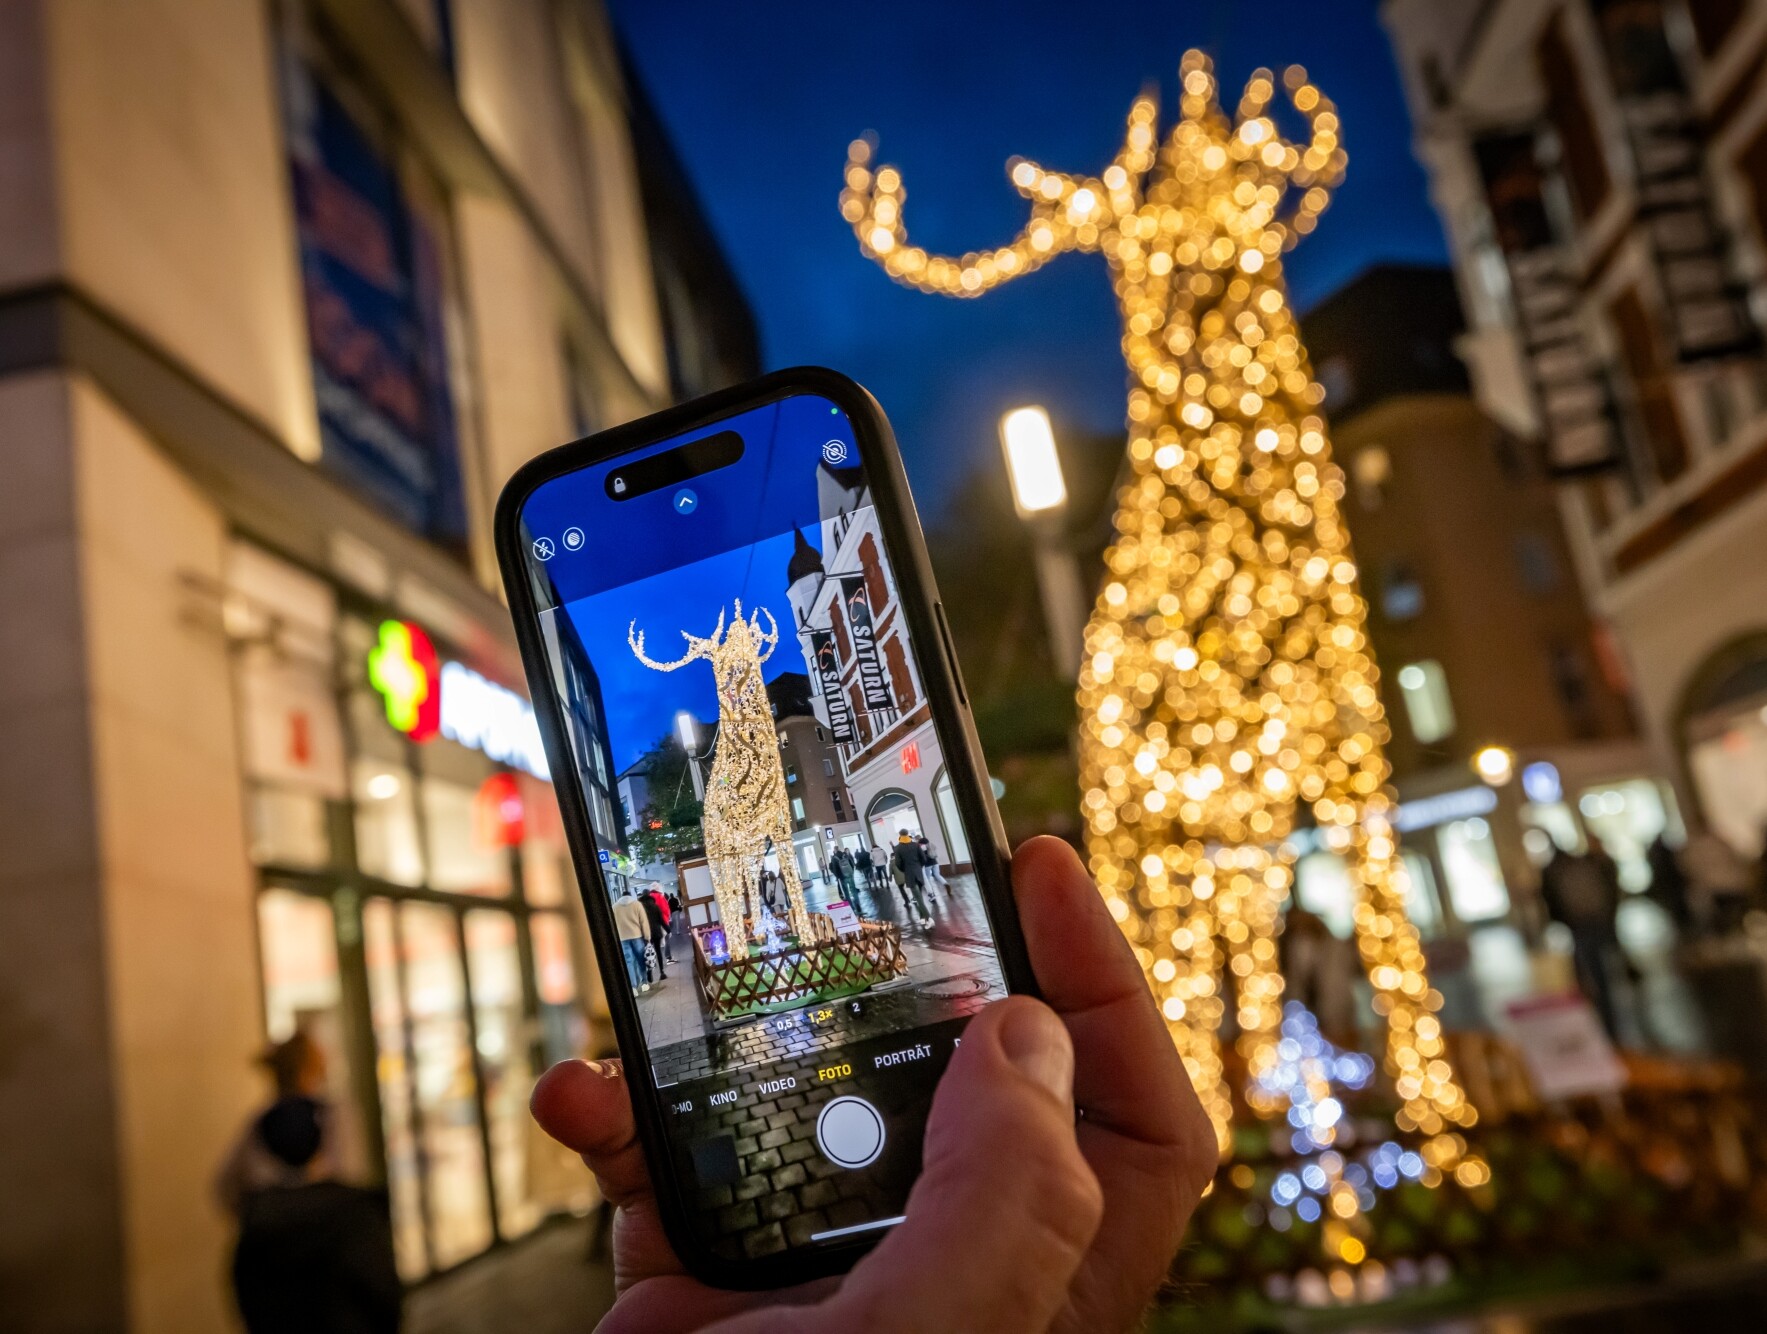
{"type": "Point", "coordinates": [786, 867]}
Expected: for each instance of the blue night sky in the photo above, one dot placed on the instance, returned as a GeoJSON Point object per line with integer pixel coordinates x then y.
{"type": "Point", "coordinates": [642, 703]}
{"type": "Point", "coordinates": [761, 100]}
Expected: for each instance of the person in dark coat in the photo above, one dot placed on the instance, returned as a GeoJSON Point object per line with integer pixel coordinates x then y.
{"type": "Point", "coordinates": [910, 867]}
{"type": "Point", "coordinates": [1668, 884]}
{"type": "Point", "coordinates": [1583, 892]}
{"type": "Point", "coordinates": [313, 1253]}
{"type": "Point", "coordinates": [317, 1256]}
{"type": "Point", "coordinates": [658, 930]}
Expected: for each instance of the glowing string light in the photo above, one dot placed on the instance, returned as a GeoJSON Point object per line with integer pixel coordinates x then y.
{"type": "Point", "coordinates": [1227, 676]}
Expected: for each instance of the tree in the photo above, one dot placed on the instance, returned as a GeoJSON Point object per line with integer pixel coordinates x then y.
{"type": "Point", "coordinates": [669, 824]}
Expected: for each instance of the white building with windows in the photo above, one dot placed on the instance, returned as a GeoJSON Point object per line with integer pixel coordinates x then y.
{"type": "Point", "coordinates": [865, 685]}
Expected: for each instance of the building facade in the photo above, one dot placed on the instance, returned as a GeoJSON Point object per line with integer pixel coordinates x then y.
{"type": "Point", "coordinates": [1475, 612]}
{"type": "Point", "coordinates": [867, 691]}
{"type": "Point", "coordinates": [822, 814]}
{"type": "Point", "coordinates": [286, 290]}
{"type": "Point", "coordinates": [1601, 168]}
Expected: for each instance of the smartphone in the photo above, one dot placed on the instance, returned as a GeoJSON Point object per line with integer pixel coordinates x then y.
{"type": "Point", "coordinates": [793, 869]}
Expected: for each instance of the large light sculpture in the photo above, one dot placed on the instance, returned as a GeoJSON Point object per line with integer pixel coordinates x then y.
{"type": "Point", "coordinates": [746, 808]}
{"type": "Point", "coordinates": [1227, 675]}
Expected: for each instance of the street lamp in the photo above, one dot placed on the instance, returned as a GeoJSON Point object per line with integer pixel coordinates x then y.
{"type": "Point", "coordinates": [1040, 495]}
{"type": "Point", "coordinates": [687, 728]}
{"type": "Point", "coordinates": [1495, 764]}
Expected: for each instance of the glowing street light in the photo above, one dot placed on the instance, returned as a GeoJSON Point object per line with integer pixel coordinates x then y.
{"type": "Point", "coordinates": [1032, 463]}
{"type": "Point", "coordinates": [687, 728]}
{"type": "Point", "coordinates": [1040, 496]}
{"type": "Point", "coordinates": [1494, 764]}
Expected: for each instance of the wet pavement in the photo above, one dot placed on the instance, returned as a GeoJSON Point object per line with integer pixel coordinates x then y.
{"type": "Point", "coordinates": [951, 972]}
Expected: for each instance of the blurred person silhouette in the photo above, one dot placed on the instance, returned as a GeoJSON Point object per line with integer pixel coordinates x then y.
{"type": "Point", "coordinates": [1321, 973]}
{"type": "Point", "coordinates": [313, 1253]}
{"type": "Point", "coordinates": [1668, 884]}
{"type": "Point", "coordinates": [932, 863]}
{"type": "Point", "coordinates": [1582, 890]}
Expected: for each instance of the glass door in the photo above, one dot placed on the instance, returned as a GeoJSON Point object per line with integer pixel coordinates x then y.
{"type": "Point", "coordinates": [505, 1063]}
{"type": "Point", "coordinates": [435, 1145]}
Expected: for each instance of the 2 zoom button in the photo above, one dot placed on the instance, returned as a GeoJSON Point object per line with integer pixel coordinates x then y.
{"type": "Point", "coordinates": [850, 1132]}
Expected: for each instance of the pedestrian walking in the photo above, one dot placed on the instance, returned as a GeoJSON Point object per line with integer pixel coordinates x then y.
{"type": "Point", "coordinates": [313, 1252]}
{"type": "Point", "coordinates": [658, 932]}
{"type": "Point", "coordinates": [1583, 892]}
{"type": "Point", "coordinates": [881, 862]}
{"type": "Point", "coordinates": [633, 924]}
{"type": "Point", "coordinates": [842, 866]}
{"type": "Point", "coordinates": [1668, 885]}
{"type": "Point", "coordinates": [862, 866]}
{"type": "Point", "coordinates": [656, 896]}
{"type": "Point", "coordinates": [932, 864]}
{"type": "Point", "coordinates": [909, 865]}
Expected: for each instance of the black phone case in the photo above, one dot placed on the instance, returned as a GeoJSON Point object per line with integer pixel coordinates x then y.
{"type": "Point", "coordinates": [906, 549]}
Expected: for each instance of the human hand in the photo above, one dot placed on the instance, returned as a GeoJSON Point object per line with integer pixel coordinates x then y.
{"type": "Point", "coordinates": [1023, 1218]}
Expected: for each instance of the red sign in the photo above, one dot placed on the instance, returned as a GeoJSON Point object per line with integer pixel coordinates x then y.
{"type": "Point", "coordinates": [911, 757]}
{"type": "Point", "coordinates": [499, 815]}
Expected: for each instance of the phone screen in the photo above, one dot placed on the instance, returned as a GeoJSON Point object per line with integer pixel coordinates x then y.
{"type": "Point", "coordinates": [768, 790]}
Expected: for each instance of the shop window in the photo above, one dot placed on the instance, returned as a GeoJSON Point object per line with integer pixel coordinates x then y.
{"type": "Point", "coordinates": [1580, 149]}
{"type": "Point", "coordinates": [494, 969]}
{"type": "Point", "coordinates": [1423, 686]}
{"type": "Point", "coordinates": [1469, 863]}
{"type": "Point", "coordinates": [387, 843]}
{"type": "Point", "coordinates": [463, 859]}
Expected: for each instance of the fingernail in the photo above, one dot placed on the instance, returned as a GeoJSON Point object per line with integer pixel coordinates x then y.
{"type": "Point", "coordinates": [1036, 1042]}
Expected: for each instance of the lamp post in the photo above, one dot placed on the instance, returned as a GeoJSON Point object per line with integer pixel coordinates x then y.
{"type": "Point", "coordinates": [687, 728]}
{"type": "Point", "coordinates": [1040, 495]}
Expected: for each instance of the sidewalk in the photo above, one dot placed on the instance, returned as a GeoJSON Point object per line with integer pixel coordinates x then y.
{"type": "Point", "coordinates": [543, 1284]}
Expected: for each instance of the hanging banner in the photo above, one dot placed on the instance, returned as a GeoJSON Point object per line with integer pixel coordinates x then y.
{"type": "Point", "coordinates": [371, 272]}
{"type": "Point", "coordinates": [1571, 389]}
{"type": "Point", "coordinates": [828, 673]}
{"type": "Point", "coordinates": [871, 675]}
{"type": "Point", "coordinates": [1708, 311]}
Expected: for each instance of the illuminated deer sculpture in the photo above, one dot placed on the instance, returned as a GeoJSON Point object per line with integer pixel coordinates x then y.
{"type": "Point", "coordinates": [746, 806]}
{"type": "Point", "coordinates": [1227, 676]}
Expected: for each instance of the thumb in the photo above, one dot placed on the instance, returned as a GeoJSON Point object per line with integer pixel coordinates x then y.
{"type": "Point", "coordinates": [1005, 1207]}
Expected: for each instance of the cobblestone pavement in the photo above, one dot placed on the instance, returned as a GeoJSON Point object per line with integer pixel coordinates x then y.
{"type": "Point", "coordinates": [951, 971]}
{"type": "Point", "coordinates": [748, 1145]}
